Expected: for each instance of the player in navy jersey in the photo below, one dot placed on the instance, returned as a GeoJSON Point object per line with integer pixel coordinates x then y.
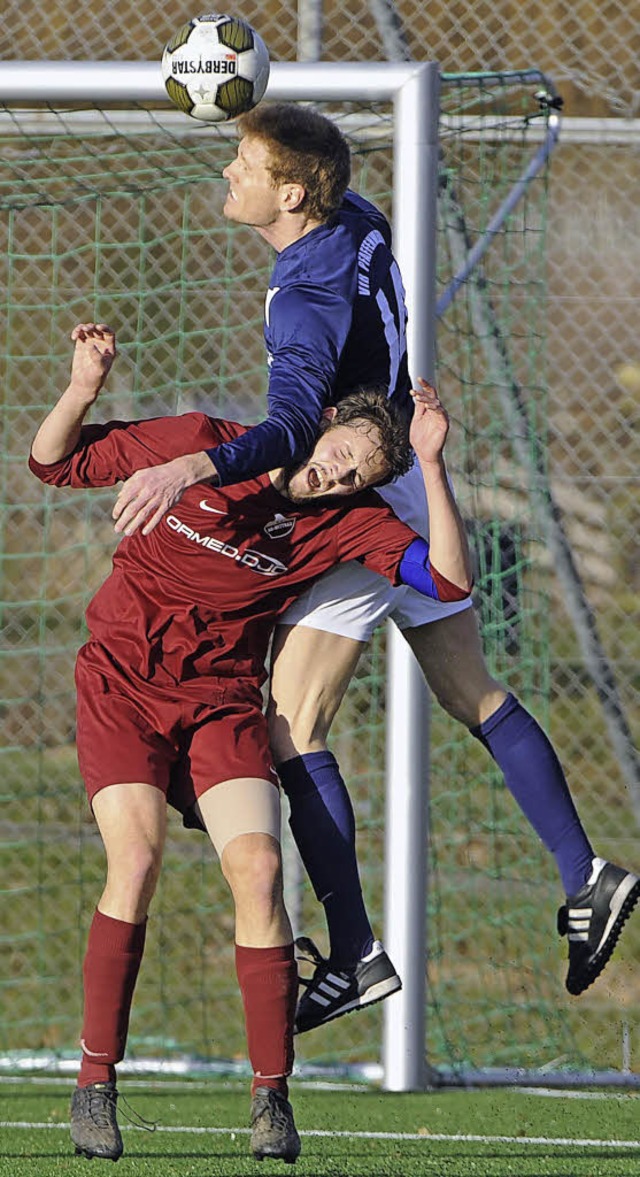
{"type": "Point", "coordinates": [169, 701]}
{"type": "Point", "coordinates": [335, 316]}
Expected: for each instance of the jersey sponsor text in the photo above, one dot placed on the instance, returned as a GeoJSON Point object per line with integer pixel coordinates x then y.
{"type": "Point", "coordinates": [257, 561]}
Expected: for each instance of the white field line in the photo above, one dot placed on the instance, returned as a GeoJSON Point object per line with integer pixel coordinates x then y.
{"type": "Point", "coordinates": [570, 1093]}
{"type": "Point", "coordinates": [425, 1137]}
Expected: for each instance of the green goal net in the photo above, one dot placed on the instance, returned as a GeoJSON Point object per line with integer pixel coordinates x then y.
{"type": "Point", "coordinates": [115, 215]}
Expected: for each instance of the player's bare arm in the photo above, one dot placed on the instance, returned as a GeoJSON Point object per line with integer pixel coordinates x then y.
{"type": "Point", "coordinates": [94, 353]}
{"type": "Point", "coordinates": [448, 546]}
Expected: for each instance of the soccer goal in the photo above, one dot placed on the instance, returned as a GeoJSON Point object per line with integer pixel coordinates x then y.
{"type": "Point", "coordinates": [111, 209]}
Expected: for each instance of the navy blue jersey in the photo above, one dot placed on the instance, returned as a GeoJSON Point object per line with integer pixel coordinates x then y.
{"type": "Point", "coordinates": [335, 321]}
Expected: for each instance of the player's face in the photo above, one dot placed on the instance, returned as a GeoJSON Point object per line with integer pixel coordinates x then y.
{"type": "Point", "coordinates": [252, 199]}
{"type": "Point", "coordinates": [345, 459]}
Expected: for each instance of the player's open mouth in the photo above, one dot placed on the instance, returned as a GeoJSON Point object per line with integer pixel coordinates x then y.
{"type": "Point", "coordinates": [313, 478]}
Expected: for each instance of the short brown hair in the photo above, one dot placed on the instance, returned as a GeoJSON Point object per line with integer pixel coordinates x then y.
{"type": "Point", "coordinates": [305, 148]}
{"type": "Point", "coordinates": [372, 407]}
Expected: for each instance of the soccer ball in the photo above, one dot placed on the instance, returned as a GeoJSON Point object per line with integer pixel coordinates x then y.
{"type": "Point", "coordinates": [215, 67]}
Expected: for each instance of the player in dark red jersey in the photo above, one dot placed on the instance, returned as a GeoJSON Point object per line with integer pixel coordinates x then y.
{"type": "Point", "coordinates": [169, 702]}
{"type": "Point", "coordinates": [335, 318]}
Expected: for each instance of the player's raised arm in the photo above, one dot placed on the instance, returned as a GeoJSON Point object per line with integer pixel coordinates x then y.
{"type": "Point", "coordinates": [448, 550]}
{"type": "Point", "coordinates": [94, 353]}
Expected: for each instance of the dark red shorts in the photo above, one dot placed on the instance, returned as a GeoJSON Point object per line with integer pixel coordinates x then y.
{"type": "Point", "coordinates": [178, 744]}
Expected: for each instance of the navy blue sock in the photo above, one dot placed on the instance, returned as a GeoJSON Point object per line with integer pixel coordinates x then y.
{"type": "Point", "coordinates": [534, 776]}
{"type": "Point", "coordinates": [323, 825]}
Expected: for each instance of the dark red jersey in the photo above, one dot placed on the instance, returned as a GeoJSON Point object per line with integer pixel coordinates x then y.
{"type": "Point", "coordinates": [198, 597]}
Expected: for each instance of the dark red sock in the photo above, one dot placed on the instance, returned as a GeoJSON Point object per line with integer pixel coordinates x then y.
{"type": "Point", "coordinates": [111, 965]}
{"type": "Point", "coordinates": [268, 981]}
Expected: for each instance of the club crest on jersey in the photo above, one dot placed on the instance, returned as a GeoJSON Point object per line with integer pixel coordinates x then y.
{"type": "Point", "coordinates": [279, 526]}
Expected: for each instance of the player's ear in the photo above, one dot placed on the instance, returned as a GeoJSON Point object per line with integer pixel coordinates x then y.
{"type": "Point", "coordinates": [329, 413]}
{"type": "Point", "coordinates": [293, 196]}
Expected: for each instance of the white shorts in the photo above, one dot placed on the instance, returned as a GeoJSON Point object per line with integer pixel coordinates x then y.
{"type": "Point", "coordinates": [351, 601]}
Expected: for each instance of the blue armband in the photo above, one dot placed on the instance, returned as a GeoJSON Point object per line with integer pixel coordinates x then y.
{"type": "Point", "coordinates": [415, 569]}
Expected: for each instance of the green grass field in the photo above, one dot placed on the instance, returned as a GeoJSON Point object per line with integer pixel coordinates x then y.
{"type": "Point", "coordinates": [346, 1132]}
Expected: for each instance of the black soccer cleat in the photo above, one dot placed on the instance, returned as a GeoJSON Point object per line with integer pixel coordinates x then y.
{"type": "Point", "coordinates": [273, 1131]}
{"type": "Point", "coordinates": [332, 992]}
{"type": "Point", "coordinates": [94, 1128]}
{"type": "Point", "coordinates": [593, 919]}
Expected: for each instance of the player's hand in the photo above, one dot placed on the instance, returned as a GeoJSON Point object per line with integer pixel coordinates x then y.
{"type": "Point", "coordinates": [94, 353]}
{"type": "Point", "coordinates": [148, 494]}
{"type": "Point", "coordinates": [430, 424]}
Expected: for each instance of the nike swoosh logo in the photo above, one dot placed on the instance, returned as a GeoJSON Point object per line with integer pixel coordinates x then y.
{"type": "Point", "coordinates": [205, 507]}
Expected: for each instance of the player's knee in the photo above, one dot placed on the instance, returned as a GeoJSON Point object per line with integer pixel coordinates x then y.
{"type": "Point", "coordinates": [252, 866]}
{"type": "Point", "coordinates": [457, 706]}
{"type": "Point", "coordinates": [299, 727]}
{"type": "Point", "coordinates": [471, 705]}
{"type": "Point", "coordinates": [134, 871]}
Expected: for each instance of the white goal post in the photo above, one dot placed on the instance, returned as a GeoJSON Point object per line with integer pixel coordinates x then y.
{"type": "Point", "coordinates": [413, 89]}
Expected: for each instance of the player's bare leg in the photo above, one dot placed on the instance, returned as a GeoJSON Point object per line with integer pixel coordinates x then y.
{"type": "Point", "coordinates": [311, 670]}
{"type": "Point", "coordinates": [132, 820]}
{"type": "Point", "coordinates": [132, 823]}
{"type": "Point", "coordinates": [252, 865]}
{"type": "Point", "coordinates": [452, 661]}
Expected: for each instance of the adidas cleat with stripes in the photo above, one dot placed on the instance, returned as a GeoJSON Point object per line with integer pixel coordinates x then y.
{"type": "Point", "coordinates": [593, 919]}
{"type": "Point", "coordinates": [332, 992]}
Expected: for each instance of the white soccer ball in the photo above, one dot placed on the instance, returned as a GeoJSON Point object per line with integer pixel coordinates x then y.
{"type": "Point", "coordinates": [215, 67]}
